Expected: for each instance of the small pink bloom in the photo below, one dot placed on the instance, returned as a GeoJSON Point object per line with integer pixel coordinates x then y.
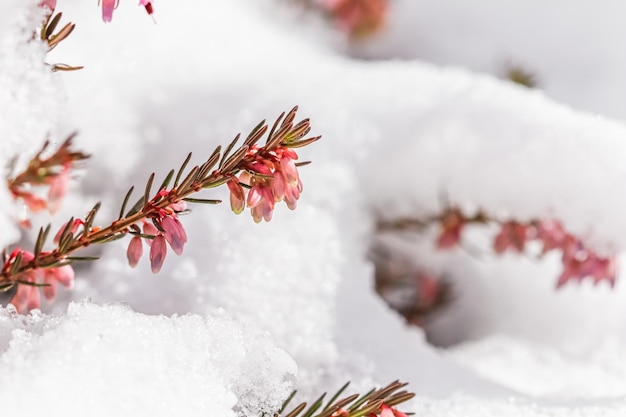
{"type": "Point", "coordinates": [237, 195]}
{"type": "Point", "coordinates": [279, 186]}
{"type": "Point", "coordinates": [150, 230]}
{"type": "Point", "coordinates": [147, 4]}
{"type": "Point", "coordinates": [179, 206]}
{"type": "Point", "coordinates": [34, 203]}
{"type": "Point", "coordinates": [134, 252]}
{"type": "Point", "coordinates": [387, 411]}
{"type": "Point", "coordinates": [551, 234]}
{"type": "Point", "coordinates": [261, 203]}
{"type": "Point", "coordinates": [158, 250]}
{"type": "Point", "coordinates": [63, 275]}
{"type": "Point", "coordinates": [513, 236]}
{"type": "Point", "coordinates": [58, 189]}
{"type": "Point", "coordinates": [73, 229]}
{"type": "Point", "coordinates": [260, 168]}
{"type": "Point", "coordinates": [452, 224]}
{"type": "Point", "coordinates": [289, 170]}
{"type": "Point", "coordinates": [580, 263]}
{"type": "Point", "coordinates": [26, 298]}
{"type": "Point", "coordinates": [50, 4]}
{"type": "Point", "coordinates": [174, 233]}
{"type": "Point", "coordinates": [107, 9]}
{"type": "Point", "coordinates": [255, 196]}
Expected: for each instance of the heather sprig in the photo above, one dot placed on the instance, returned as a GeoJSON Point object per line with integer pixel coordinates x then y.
{"type": "Point", "coordinates": [45, 170]}
{"type": "Point", "coordinates": [579, 260]}
{"type": "Point", "coordinates": [271, 176]}
{"type": "Point", "coordinates": [379, 402]}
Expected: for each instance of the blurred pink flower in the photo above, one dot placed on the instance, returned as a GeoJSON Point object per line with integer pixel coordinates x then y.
{"type": "Point", "coordinates": [27, 297]}
{"type": "Point", "coordinates": [63, 275]}
{"type": "Point", "coordinates": [387, 411]}
{"type": "Point", "coordinates": [580, 263]}
{"type": "Point", "coordinates": [237, 195]}
{"type": "Point", "coordinates": [73, 228]}
{"type": "Point", "coordinates": [358, 17]}
{"type": "Point", "coordinates": [50, 4]}
{"type": "Point", "coordinates": [261, 201]}
{"type": "Point", "coordinates": [107, 9]}
{"type": "Point", "coordinates": [59, 184]}
{"type": "Point", "coordinates": [513, 236]}
{"type": "Point", "coordinates": [551, 234]}
{"type": "Point", "coordinates": [452, 223]}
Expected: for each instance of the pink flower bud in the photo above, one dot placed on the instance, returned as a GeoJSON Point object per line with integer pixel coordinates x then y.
{"type": "Point", "coordinates": [134, 252]}
{"type": "Point", "coordinates": [278, 186]}
{"type": "Point", "coordinates": [174, 233]}
{"type": "Point", "coordinates": [73, 228]}
{"type": "Point", "coordinates": [158, 250]}
{"type": "Point", "coordinates": [107, 9]}
{"type": "Point", "coordinates": [26, 298]}
{"type": "Point", "coordinates": [50, 4]}
{"type": "Point", "coordinates": [237, 195]}
{"type": "Point", "coordinates": [254, 196]}
{"type": "Point", "coordinates": [151, 230]}
{"type": "Point", "coordinates": [63, 275]}
{"type": "Point", "coordinates": [289, 169]}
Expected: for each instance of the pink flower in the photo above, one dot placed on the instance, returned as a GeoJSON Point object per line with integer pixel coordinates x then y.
{"type": "Point", "coordinates": [59, 184]}
{"type": "Point", "coordinates": [513, 236]}
{"type": "Point", "coordinates": [452, 223]}
{"type": "Point", "coordinates": [134, 252]}
{"type": "Point", "coordinates": [261, 201]}
{"type": "Point", "coordinates": [34, 203]}
{"type": "Point", "coordinates": [27, 297]}
{"type": "Point", "coordinates": [50, 4]}
{"type": "Point", "coordinates": [580, 263]}
{"type": "Point", "coordinates": [237, 195]}
{"type": "Point", "coordinates": [147, 4]}
{"type": "Point", "coordinates": [63, 275]}
{"type": "Point", "coordinates": [149, 229]}
{"type": "Point", "coordinates": [174, 233]}
{"type": "Point", "coordinates": [73, 229]}
{"type": "Point", "coordinates": [107, 9]}
{"type": "Point", "coordinates": [358, 17]}
{"type": "Point", "coordinates": [387, 411]}
{"type": "Point", "coordinates": [158, 250]}
{"type": "Point", "coordinates": [551, 234]}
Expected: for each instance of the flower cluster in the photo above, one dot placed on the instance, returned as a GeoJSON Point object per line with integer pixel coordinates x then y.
{"type": "Point", "coordinates": [579, 261]}
{"type": "Point", "coordinates": [271, 177]}
{"type": "Point", "coordinates": [52, 172]}
{"type": "Point", "coordinates": [165, 227]}
{"type": "Point", "coordinates": [359, 18]}
{"type": "Point", "coordinates": [27, 296]}
{"type": "Point", "coordinates": [258, 176]}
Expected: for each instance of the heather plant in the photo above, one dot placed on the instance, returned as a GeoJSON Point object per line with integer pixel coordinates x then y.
{"type": "Point", "coordinates": [260, 170]}
{"type": "Point", "coordinates": [580, 261]}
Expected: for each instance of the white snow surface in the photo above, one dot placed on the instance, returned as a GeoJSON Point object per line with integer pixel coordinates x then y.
{"type": "Point", "coordinates": [222, 328]}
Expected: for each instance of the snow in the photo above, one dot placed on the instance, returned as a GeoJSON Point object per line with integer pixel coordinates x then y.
{"type": "Point", "coordinates": [250, 311]}
{"type": "Point", "coordinates": [142, 364]}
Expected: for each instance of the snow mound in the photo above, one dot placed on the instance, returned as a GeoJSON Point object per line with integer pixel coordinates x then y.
{"type": "Point", "coordinates": [143, 365]}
